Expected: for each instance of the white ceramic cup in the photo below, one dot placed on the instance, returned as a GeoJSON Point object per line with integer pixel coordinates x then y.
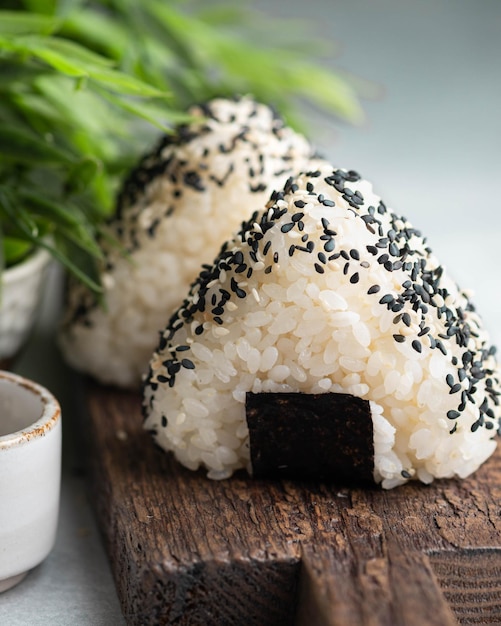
{"type": "Point", "coordinates": [30, 475]}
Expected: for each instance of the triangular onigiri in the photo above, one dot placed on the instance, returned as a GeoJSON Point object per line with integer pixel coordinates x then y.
{"type": "Point", "coordinates": [327, 291]}
{"type": "Point", "coordinates": [174, 211]}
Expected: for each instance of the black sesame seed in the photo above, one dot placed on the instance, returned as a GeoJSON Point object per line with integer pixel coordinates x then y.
{"type": "Point", "coordinates": [477, 373]}
{"type": "Point", "coordinates": [393, 249]}
{"type": "Point", "coordinates": [287, 227]}
{"type": "Point", "coordinates": [399, 338]}
{"type": "Point", "coordinates": [417, 345]}
{"type": "Point", "coordinates": [354, 278]}
{"type": "Point", "coordinates": [373, 289]}
{"type": "Point", "coordinates": [187, 364]}
{"type": "Point", "coordinates": [453, 415]}
{"type": "Point", "coordinates": [329, 245]}
{"type": "Point", "coordinates": [386, 299]}
{"type": "Point", "coordinates": [405, 474]}
{"type": "Point", "coordinates": [319, 268]}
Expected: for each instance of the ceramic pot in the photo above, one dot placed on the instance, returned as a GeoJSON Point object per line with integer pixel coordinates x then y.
{"type": "Point", "coordinates": [30, 475]}
{"type": "Point", "coordinates": [21, 290]}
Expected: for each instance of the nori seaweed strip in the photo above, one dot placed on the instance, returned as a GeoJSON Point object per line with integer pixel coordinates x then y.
{"type": "Point", "coordinates": [311, 436]}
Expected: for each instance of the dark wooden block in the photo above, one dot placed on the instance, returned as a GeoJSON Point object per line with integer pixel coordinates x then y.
{"type": "Point", "coordinates": [189, 551]}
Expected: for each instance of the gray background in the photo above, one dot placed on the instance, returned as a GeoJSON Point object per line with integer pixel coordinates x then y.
{"type": "Point", "coordinates": [431, 147]}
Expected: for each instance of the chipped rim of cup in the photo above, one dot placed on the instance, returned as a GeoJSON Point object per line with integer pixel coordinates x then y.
{"type": "Point", "coordinates": [51, 412]}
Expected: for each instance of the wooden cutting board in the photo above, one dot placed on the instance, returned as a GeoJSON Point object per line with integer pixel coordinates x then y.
{"type": "Point", "coordinates": [189, 551]}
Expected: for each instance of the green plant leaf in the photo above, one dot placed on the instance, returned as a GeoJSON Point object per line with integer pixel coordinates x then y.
{"type": "Point", "coordinates": [63, 218]}
{"type": "Point", "coordinates": [82, 110]}
{"type": "Point", "coordinates": [98, 30]}
{"type": "Point", "coordinates": [328, 90]}
{"type": "Point", "coordinates": [126, 84]}
{"type": "Point", "coordinates": [161, 117]}
{"type": "Point", "coordinates": [17, 144]}
{"type": "Point", "coordinates": [18, 219]}
{"type": "Point", "coordinates": [81, 175]}
{"type": "Point", "coordinates": [66, 261]}
{"type": "Point", "coordinates": [17, 23]}
{"type": "Point", "coordinates": [15, 250]}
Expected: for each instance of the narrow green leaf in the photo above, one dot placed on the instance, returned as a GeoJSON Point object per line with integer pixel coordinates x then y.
{"type": "Point", "coordinates": [68, 219]}
{"type": "Point", "coordinates": [18, 23]}
{"type": "Point", "coordinates": [60, 214]}
{"type": "Point", "coordinates": [81, 175]}
{"type": "Point", "coordinates": [15, 250]}
{"type": "Point", "coordinates": [84, 110]}
{"type": "Point", "coordinates": [161, 117]}
{"type": "Point", "coordinates": [67, 262]}
{"type": "Point", "coordinates": [328, 90]}
{"type": "Point", "coordinates": [97, 30]}
{"type": "Point", "coordinates": [47, 7]}
{"type": "Point", "coordinates": [20, 145]}
{"type": "Point", "coordinates": [17, 216]}
{"type": "Point", "coordinates": [223, 15]}
{"type": "Point", "coordinates": [73, 51]}
{"type": "Point", "coordinates": [125, 84]}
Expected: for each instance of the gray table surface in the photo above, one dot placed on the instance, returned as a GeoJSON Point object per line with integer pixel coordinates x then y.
{"type": "Point", "coordinates": [431, 146]}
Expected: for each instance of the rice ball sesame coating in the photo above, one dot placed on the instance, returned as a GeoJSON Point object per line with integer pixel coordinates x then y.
{"type": "Point", "coordinates": [174, 211]}
{"type": "Point", "coordinates": [327, 290]}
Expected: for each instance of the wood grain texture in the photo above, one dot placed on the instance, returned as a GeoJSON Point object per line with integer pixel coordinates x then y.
{"type": "Point", "coordinates": [189, 551]}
